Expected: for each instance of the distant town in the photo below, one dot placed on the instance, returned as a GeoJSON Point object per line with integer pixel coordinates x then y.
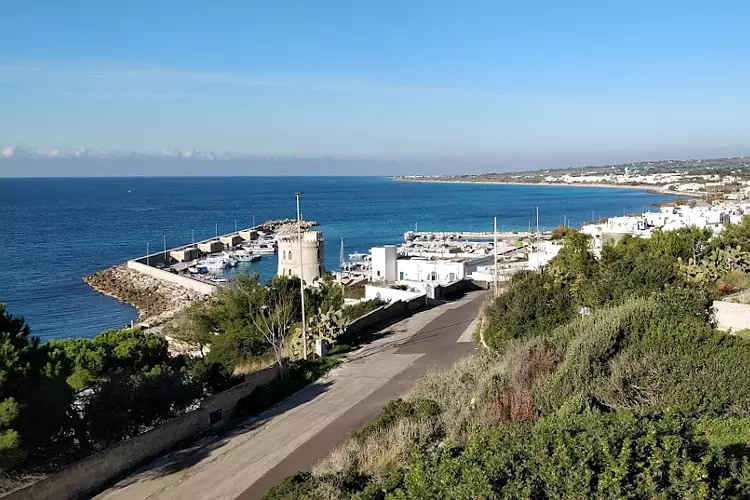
{"type": "Point", "coordinates": [718, 177]}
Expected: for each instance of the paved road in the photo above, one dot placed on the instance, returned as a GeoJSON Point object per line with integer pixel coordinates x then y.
{"type": "Point", "coordinates": [305, 427]}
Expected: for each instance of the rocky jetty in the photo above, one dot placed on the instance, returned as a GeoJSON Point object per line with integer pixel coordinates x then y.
{"type": "Point", "coordinates": [157, 300]}
{"type": "Point", "coordinates": [285, 225]}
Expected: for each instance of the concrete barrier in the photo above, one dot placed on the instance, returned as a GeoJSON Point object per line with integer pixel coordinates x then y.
{"type": "Point", "coordinates": [97, 470]}
{"type": "Point", "coordinates": [389, 294]}
{"type": "Point", "coordinates": [190, 284]}
{"type": "Point", "coordinates": [731, 315]}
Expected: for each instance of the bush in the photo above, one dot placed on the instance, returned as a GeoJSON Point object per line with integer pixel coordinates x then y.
{"type": "Point", "coordinates": [621, 455]}
{"type": "Point", "coordinates": [354, 311]}
{"type": "Point", "coordinates": [645, 354]}
{"type": "Point", "coordinates": [534, 305]}
{"type": "Point", "coordinates": [300, 486]}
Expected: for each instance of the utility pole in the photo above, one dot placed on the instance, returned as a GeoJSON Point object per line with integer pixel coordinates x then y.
{"type": "Point", "coordinates": [565, 221]}
{"type": "Point", "coordinates": [147, 253]}
{"type": "Point", "coordinates": [165, 246]}
{"type": "Point", "coordinates": [494, 280]}
{"type": "Point", "coordinates": [301, 278]}
{"type": "Point", "coordinates": [341, 254]}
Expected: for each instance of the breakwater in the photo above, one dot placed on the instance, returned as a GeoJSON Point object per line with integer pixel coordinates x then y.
{"type": "Point", "coordinates": [158, 294]}
{"type": "Point", "coordinates": [155, 299]}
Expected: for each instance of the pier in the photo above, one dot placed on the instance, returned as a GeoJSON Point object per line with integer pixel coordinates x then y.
{"type": "Point", "coordinates": [467, 235]}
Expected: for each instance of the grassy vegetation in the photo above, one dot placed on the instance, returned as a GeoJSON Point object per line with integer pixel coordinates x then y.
{"type": "Point", "coordinates": [641, 398]}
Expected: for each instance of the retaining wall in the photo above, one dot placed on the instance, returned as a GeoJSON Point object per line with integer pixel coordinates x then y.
{"type": "Point", "coordinates": [95, 471]}
{"type": "Point", "coordinates": [388, 294]}
{"type": "Point", "coordinates": [731, 315]}
{"type": "Point", "coordinates": [190, 284]}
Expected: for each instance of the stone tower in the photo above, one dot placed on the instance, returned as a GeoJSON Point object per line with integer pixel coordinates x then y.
{"type": "Point", "coordinates": [312, 255]}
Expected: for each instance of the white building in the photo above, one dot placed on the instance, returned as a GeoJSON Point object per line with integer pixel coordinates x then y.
{"type": "Point", "coordinates": [439, 271]}
{"type": "Point", "coordinates": [544, 252]}
{"type": "Point", "coordinates": [388, 267]}
{"type": "Point", "coordinates": [311, 254]}
{"type": "Point", "coordinates": [384, 263]}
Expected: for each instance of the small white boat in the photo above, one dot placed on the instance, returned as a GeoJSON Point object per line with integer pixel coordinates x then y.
{"type": "Point", "coordinates": [218, 263]}
{"type": "Point", "coordinates": [267, 247]}
{"type": "Point", "coordinates": [359, 257]}
{"type": "Point", "coordinates": [245, 255]}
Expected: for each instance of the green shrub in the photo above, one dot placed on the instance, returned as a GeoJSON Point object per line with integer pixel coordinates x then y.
{"type": "Point", "coordinates": [354, 311]}
{"type": "Point", "coordinates": [534, 305]}
{"type": "Point", "coordinates": [646, 354]}
{"type": "Point", "coordinates": [620, 455]}
{"type": "Point", "coordinates": [300, 486]}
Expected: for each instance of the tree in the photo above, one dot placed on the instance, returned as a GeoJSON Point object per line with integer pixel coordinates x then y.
{"type": "Point", "coordinates": [127, 382]}
{"type": "Point", "coordinates": [34, 397]}
{"type": "Point", "coordinates": [274, 321]}
{"type": "Point", "coordinates": [195, 327]}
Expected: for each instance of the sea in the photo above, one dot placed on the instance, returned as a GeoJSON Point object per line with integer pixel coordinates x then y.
{"type": "Point", "coordinates": [54, 231]}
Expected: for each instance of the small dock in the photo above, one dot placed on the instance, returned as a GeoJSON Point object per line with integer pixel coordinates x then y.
{"type": "Point", "coordinates": [466, 235]}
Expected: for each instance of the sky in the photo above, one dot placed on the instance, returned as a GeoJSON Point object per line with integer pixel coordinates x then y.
{"type": "Point", "coordinates": [533, 81]}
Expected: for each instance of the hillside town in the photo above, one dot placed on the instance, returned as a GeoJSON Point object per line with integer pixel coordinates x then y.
{"type": "Point", "coordinates": [705, 178]}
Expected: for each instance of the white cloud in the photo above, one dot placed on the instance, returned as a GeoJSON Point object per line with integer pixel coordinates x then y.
{"type": "Point", "coordinates": [132, 74]}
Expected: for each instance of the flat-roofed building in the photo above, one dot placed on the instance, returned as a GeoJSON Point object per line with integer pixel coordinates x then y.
{"type": "Point", "coordinates": [185, 254]}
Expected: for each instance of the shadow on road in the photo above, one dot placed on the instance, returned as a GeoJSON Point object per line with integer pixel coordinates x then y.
{"type": "Point", "coordinates": [189, 454]}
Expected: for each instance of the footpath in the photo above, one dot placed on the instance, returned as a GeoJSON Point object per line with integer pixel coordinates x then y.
{"type": "Point", "coordinates": [304, 428]}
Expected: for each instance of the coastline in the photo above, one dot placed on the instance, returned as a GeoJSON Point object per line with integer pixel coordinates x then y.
{"type": "Point", "coordinates": [650, 189]}
{"type": "Point", "coordinates": [157, 301]}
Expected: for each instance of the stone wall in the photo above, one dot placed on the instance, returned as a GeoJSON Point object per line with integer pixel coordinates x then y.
{"type": "Point", "coordinates": [389, 312]}
{"type": "Point", "coordinates": [731, 315]}
{"type": "Point", "coordinates": [98, 470]}
{"type": "Point", "coordinates": [190, 284]}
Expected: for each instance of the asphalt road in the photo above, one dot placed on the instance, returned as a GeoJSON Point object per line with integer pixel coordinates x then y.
{"type": "Point", "coordinates": [441, 342]}
{"type": "Point", "coordinates": [294, 435]}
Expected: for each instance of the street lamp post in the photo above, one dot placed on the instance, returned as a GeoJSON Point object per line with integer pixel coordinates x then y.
{"type": "Point", "coordinates": [301, 277]}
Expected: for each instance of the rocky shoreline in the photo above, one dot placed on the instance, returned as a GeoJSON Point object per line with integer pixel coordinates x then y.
{"type": "Point", "coordinates": [157, 300]}
{"type": "Point", "coordinates": [285, 225]}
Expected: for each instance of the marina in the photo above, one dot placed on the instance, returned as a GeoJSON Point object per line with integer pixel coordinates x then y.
{"type": "Point", "coordinates": [207, 261]}
{"type": "Point", "coordinates": [93, 224]}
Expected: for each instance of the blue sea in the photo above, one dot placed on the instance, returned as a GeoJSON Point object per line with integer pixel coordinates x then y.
{"type": "Point", "coordinates": [55, 231]}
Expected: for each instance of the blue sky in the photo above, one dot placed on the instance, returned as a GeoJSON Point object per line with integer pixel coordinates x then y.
{"type": "Point", "coordinates": [583, 81]}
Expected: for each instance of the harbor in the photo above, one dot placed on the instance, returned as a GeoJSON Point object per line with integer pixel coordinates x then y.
{"type": "Point", "coordinates": [160, 284]}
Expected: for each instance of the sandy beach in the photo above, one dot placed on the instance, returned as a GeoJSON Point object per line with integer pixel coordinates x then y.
{"type": "Point", "coordinates": [642, 187]}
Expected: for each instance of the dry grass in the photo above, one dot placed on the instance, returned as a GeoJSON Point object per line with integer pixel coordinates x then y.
{"type": "Point", "coordinates": [479, 390]}
{"type": "Point", "coordinates": [387, 447]}
{"type": "Point", "coordinates": [254, 365]}
{"type": "Point", "coordinates": [734, 281]}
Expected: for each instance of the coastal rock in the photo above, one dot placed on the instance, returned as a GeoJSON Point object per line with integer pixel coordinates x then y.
{"type": "Point", "coordinates": [156, 300]}
{"type": "Point", "coordinates": [285, 225]}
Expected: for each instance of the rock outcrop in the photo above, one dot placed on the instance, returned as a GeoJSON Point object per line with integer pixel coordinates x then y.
{"type": "Point", "coordinates": [285, 225]}
{"type": "Point", "coordinates": [156, 300]}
